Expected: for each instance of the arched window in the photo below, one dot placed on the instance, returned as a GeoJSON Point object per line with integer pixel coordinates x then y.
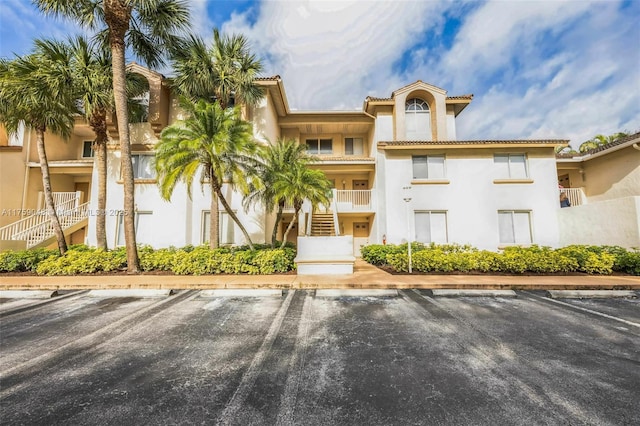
{"type": "Point", "coordinates": [417, 120]}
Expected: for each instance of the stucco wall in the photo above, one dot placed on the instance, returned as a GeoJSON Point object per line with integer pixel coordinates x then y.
{"type": "Point", "coordinates": [11, 184]}
{"type": "Point", "coordinates": [609, 222]}
{"type": "Point", "coordinates": [265, 121]}
{"type": "Point", "coordinates": [612, 176]}
{"type": "Point", "coordinates": [471, 198]}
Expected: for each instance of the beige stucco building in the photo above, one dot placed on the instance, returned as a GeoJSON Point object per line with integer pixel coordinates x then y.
{"type": "Point", "coordinates": [398, 170]}
{"type": "Point", "coordinates": [604, 189]}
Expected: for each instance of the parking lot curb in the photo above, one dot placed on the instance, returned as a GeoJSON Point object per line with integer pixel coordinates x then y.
{"type": "Point", "coordinates": [356, 293]}
{"type": "Point", "coordinates": [130, 293]}
{"type": "Point", "coordinates": [239, 292]}
{"type": "Point", "coordinates": [27, 294]}
{"type": "Point", "coordinates": [473, 293]}
{"type": "Point", "coordinates": [590, 294]}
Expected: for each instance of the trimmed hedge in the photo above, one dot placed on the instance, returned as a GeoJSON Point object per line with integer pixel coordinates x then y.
{"type": "Point", "coordinates": [188, 260]}
{"type": "Point", "coordinates": [513, 260]}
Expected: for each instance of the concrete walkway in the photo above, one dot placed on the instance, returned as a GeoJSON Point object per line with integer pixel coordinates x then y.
{"type": "Point", "coordinates": [364, 276]}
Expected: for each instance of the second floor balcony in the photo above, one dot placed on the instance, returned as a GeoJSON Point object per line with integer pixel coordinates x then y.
{"type": "Point", "coordinates": [347, 201]}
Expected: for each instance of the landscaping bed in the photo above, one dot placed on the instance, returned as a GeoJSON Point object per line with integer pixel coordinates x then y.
{"type": "Point", "coordinates": [82, 260]}
{"type": "Point", "coordinates": [534, 260]}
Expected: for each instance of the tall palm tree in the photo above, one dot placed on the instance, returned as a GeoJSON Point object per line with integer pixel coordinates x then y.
{"type": "Point", "coordinates": [91, 68]}
{"type": "Point", "coordinates": [150, 28]}
{"type": "Point", "coordinates": [277, 159]}
{"type": "Point", "coordinates": [36, 89]}
{"type": "Point", "coordinates": [299, 184]}
{"type": "Point", "coordinates": [225, 72]}
{"type": "Point", "coordinates": [216, 141]}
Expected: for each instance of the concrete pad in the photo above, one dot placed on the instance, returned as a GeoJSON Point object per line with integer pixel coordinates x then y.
{"type": "Point", "coordinates": [590, 294]}
{"type": "Point", "coordinates": [473, 293]}
{"type": "Point", "coordinates": [241, 292]}
{"type": "Point", "coordinates": [27, 294]}
{"type": "Point", "coordinates": [356, 293]}
{"type": "Point", "coordinates": [129, 293]}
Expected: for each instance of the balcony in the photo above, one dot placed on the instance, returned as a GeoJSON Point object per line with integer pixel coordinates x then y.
{"type": "Point", "coordinates": [576, 196]}
{"type": "Point", "coordinates": [346, 201]}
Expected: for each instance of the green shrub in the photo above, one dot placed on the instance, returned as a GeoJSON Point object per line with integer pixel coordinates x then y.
{"type": "Point", "coordinates": [376, 254]}
{"type": "Point", "coordinates": [157, 260]}
{"type": "Point", "coordinates": [628, 262]}
{"type": "Point", "coordinates": [24, 260]}
{"type": "Point", "coordinates": [83, 261]}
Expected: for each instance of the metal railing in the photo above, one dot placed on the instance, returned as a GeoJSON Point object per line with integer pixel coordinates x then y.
{"type": "Point", "coordinates": [576, 196]}
{"type": "Point", "coordinates": [36, 227]}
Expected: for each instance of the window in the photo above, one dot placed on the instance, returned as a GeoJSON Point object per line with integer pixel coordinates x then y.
{"type": "Point", "coordinates": [143, 166]}
{"type": "Point", "coordinates": [353, 146]}
{"type": "Point", "coordinates": [431, 226]}
{"type": "Point", "coordinates": [417, 120]}
{"type": "Point", "coordinates": [514, 227]}
{"type": "Point", "coordinates": [511, 166]}
{"type": "Point", "coordinates": [144, 228]}
{"type": "Point", "coordinates": [226, 228]}
{"type": "Point", "coordinates": [428, 166]}
{"type": "Point", "coordinates": [87, 149]}
{"type": "Point", "coordinates": [319, 146]}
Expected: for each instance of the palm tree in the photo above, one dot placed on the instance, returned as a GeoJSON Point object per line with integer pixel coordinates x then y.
{"type": "Point", "coordinates": [224, 72]}
{"type": "Point", "coordinates": [600, 140]}
{"type": "Point", "coordinates": [300, 183]}
{"type": "Point", "coordinates": [36, 89]}
{"type": "Point", "coordinates": [216, 141]}
{"type": "Point", "coordinates": [91, 68]}
{"type": "Point", "coordinates": [277, 159]}
{"type": "Point", "coordinates": [149, 27]}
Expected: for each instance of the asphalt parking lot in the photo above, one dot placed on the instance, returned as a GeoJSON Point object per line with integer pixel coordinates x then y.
{"type": "Point", "coordinates": [302, 359]}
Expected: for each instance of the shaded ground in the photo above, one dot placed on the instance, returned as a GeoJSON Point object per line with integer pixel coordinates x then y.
{"type": "Point", "coordinates": [301, 359]}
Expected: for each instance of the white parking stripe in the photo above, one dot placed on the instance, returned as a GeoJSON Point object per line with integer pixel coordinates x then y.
{"type": "Point", "coordinates": [600, 314]}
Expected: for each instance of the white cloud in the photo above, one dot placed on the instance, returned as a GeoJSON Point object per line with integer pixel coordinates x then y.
{"type": "Point", "coordinates": [333, 54]}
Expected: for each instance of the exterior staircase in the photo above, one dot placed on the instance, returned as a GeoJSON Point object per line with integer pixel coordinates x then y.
{"type": "Point", "coordinates": [322, 225]}
{"type": "Point", "coordinates": [35, 230]}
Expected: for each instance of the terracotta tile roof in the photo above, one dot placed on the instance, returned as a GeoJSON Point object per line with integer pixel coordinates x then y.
{"type": "Point", "coordinates": [462, 97]}
{"type": "Point", "coordinates": [612, 144]}
{"type": "Point", "coordinates": [477, 142]}
{"type": "Point", "coordinates": [272, 78]}
{"type": "Point", "coordinates": [617, 142]}
{"type": "Point", "coordinates": [346, 158]}
{"type": "Point", "coordinates": [373, 99]}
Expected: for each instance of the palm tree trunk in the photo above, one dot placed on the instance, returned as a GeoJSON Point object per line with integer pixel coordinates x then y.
{"type": "Point", "coordinates": [214, 217]}
{"type": "Point", "coordinates": [99, 126]}
{"type": "Point", "coordinates": [274, 233]}
{"type": "Point", "coordinates": [286, 233]}
{"type": "Point", "coordinates": [48, 194]}
{"type": "Point", "coordinates": [117, 16]}
{"type": "Point", "coordinates": [227, 207]}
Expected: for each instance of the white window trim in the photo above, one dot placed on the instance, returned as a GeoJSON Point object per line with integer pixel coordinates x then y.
{"type": "Point", "coordinates": [354, 138]}
{"type": "Point", "coordinates": [120, 223]}
{"type": "Point", "coordinates": [508, 244]}
{"type": "Point", "coordinates": [430, 212]}
{"type": "Point", "coordinates": [317, 140]}
{"type": "Point", "coordinates": [510, 176]}
{"type": "Point", "coordinates": [429, 179]}
{"type": "Point", "coordinates": [204, 238]}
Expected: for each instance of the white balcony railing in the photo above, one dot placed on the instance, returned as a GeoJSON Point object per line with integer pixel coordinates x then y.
{"type": "Point", "coordinates": [36, 227]}
{"type": "Point", "coordinates": [575, 195]}
{"type": "Point", "coordinates": [356, 200]}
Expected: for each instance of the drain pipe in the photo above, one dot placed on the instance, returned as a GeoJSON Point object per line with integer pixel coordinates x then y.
{"type": "Point", "coordinates": [636, 146]}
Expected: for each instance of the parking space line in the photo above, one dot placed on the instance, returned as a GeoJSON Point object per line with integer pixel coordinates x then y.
{"type": "Point", "coordinates": [296, 366]}
{"type": "Point", "coordinates": [19, 309]}
{"type": "Point", "coordinates": [579, 308]}
{"type": "Point", "coordinates": [87, 341]}
{"type": "Point", "coordinates": [236, 402]}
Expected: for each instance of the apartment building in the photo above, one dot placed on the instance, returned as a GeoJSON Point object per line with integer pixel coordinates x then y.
{"type": "Point", "coordinates": [398, 170]}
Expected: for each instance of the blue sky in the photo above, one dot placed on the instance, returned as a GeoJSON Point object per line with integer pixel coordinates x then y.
{"type": "Point", "coordinates": [538, 69]}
